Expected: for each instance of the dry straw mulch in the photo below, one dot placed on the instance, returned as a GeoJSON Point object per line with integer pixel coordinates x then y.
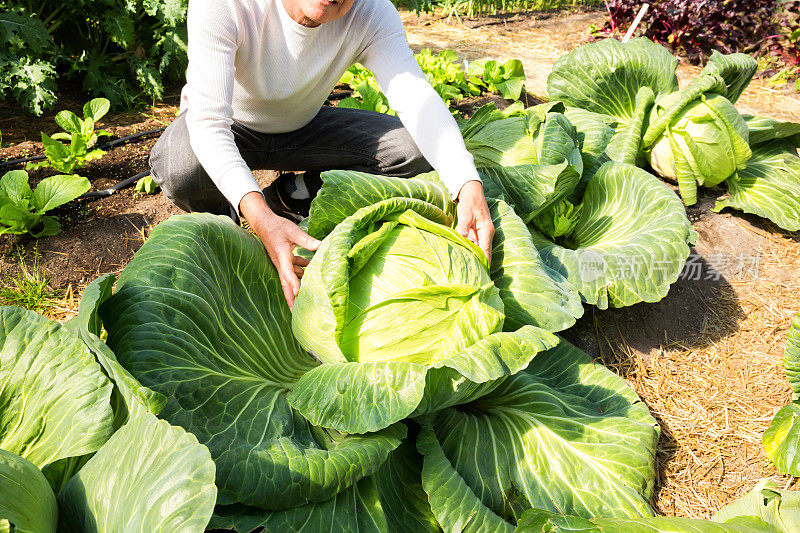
{"type": "Point", "coordinates": [714, 397]}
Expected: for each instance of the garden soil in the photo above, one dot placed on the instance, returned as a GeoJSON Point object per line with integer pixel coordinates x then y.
{"type": "Point", "coordinates": [706, 359]}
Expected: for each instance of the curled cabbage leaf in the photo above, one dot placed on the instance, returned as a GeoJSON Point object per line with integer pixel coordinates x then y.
{"type": "Point", "coordinates": [564, 435]}
{"type": "Point", "coordinates": [782, 438]}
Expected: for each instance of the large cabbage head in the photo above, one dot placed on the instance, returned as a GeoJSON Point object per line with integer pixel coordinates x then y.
{"type": "Point", "coordinates": [396, 286]}
{"type": "Point", "coordinates": [407, 318]}
{"type": "Point", "coordinates": [704, 144]}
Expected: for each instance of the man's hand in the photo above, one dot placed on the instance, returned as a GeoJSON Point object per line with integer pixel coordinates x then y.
{"type": "Point", "coordinates": [280, 237]}
{"type": "Point", "coordinates": [474, 220]}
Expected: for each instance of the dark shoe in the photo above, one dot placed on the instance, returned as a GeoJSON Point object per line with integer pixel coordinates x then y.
{"type": "Point", "coordinates": [279, 198]}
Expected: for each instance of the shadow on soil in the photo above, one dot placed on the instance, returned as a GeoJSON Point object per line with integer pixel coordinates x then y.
{"type": "Point", "coordinates": [700, 308]}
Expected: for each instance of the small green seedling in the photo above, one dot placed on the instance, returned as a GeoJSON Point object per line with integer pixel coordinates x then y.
{"type": "Point", "coordinates": [22, 210]}
{"type": "Point", "coordinates": [146, 185]}
{"type": "Point", "coordinates": [445, 74]}
{"type": "Point", "coordinates": [505, 78]}
{"type": "Point", "coordinates": [81, 135]}
{"type": "Point", "coordinates": [371, 99]}
{"type": "Point", "coordinates": [356, 75]}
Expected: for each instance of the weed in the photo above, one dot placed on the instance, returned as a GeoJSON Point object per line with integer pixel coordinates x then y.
{"type": "Point", "coordinates": [29, 289]}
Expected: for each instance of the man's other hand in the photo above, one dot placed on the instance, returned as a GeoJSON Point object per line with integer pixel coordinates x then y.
{"type": "Point", "coordinates": [280, 237]}
{"type": "Point", "coordinates": [474, 220]}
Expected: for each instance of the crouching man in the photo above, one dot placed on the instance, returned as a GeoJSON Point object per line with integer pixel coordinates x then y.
{"type": "Point", "coordinates": [259, 73]}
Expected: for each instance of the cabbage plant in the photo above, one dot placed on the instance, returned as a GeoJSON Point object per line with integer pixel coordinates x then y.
{"type": "Point", "coordinates": [532, 293]}
{"type": "Point", "coordinates": [239, 385]}
{"type": "Point", "coordinates": [770, 184]}
{"type": "Point", "coordinates": [782, 438]}
{"type": "Point", "coordinates": [394, 299]}
{"type": "Point", "coordinates": [704, 144]}
{"type": "Point", "coordinates": [400, 257]}
{"type": "Point", "coordinates": [694, 136]}
{"type": "Point", "coordinates": [77, 452]}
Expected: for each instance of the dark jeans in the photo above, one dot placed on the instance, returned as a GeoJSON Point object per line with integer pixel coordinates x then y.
{"type": "Point", "coordinates": [336, 139]}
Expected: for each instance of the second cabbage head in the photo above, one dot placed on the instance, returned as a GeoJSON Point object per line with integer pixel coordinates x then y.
{"type": "Point", "coordinates": [706, 143]}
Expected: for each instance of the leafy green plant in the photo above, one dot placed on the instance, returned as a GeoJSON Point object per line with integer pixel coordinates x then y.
{"type": "Point", "coordinates": [695, 136]}
{"type": "Point", "coordinates": [26, 72]}
{"type": "Point", "coordinates": [367, 97]}
{"type": "Point", "coordinates": [122, 50]}
{"type": "Point", "coordinates": [563, 185]}
{"type": "Point", "coordinates": [81, 135]}
{"type": "Point", "coordinates": [705, 144]}
{"type": "Point", "coordinates": [765, 509]}
{"type": "Point", "coordinates": [507, 79]}
{"type": "Point", "coordinates": [357, 74]}
{"type": "Point", "coordinates": [66, 402]}
{"type": "Point", "coordinates": [400, 257]}
{"type": "Point", "coordinates": [782, 438]}
{"type": "Point", "coordinates": [445, 74]}
{"type": "Point", "coordinates": [22, 210]}
{"type": "Point", "coordinates": [146, 185]}
{"type": "Point", "coordinates": [366, 94]}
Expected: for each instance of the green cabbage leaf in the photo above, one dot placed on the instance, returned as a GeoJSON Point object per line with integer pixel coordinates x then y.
{"type": "Point", "coordinates": [149, 476]}
{"type": "Point", "coordinates": [539, 135]}
{"type": "Point", "coordinates": [564, 435]}
{"type": "Point", "coordinates": [770, 184]}
{"type": "Point", "coordinates": [763, 129]}
{"type": "Point", "coordinates": [54, 397]}
{"type": "Point", "coordinates": [199, 317]}
{"type": "Point", "coordinates": [391, 500]}
{"type": "Point", "coordinates": [630, 242]}
{"type": "Point", "coordinates": [782, 438]}
{"type": "Point", "coordinates": [605, 77]}
{"type": "Point", "coordinates": [27, 504]}
{"type": "Point", "coordinates": [778, 508]}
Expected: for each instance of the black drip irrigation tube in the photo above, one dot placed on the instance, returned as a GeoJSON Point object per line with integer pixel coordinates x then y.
{"type": "Point", "coordinates": [123, 184]}
{"type": "Point", "coordinates": [106, 146]}
{"type": "Point", "coordinates": [128, 182]}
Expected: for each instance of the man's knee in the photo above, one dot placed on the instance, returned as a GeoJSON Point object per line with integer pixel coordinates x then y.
{"type": "Point", "coordinates": [172, 160]}
{"type": "Point", "coordinates": [402, 156]}
{"type": "Point", "coordinates": [180, 175]}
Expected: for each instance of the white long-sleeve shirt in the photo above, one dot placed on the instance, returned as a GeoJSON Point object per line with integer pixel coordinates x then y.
{"type": "Point", "coordinates": [249, 61]}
